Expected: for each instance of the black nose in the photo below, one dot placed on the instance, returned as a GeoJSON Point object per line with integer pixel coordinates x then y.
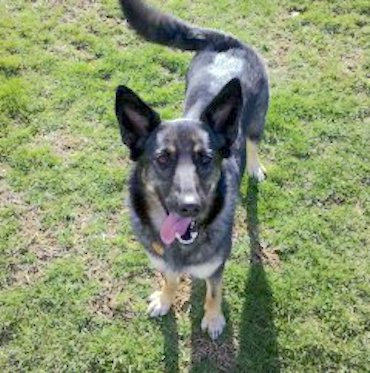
{"type": "Point", "coordinates": [189, 206]}
{"type": "Point", "coordinates": [190, 209]}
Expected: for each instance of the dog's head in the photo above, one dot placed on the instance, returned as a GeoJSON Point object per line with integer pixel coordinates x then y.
{"type": "Point", "coordinates": [181, 159]}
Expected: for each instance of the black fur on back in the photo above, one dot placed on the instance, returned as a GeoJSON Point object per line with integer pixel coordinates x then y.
{"type": "Point", "coordinates": [161, 28]}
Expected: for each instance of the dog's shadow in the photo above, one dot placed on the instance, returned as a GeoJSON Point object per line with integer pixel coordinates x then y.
{"type": "Point", "coordinates": [171, 343]}
{"type": "Point", "coordinates": [256, 348]}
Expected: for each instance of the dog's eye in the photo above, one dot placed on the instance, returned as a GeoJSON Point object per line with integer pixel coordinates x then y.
{"type": "Point", "coordinates": [163, 159]}
{"type": "Point", "coordinates": [205, 159]}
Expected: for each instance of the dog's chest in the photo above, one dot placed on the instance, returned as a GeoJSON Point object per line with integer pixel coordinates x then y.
{"type": "Point", "coordinates": [200, 270]}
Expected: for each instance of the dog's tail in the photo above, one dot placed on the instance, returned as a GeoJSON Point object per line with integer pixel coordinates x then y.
{"type": "Point", "coordinates": [165, 29]}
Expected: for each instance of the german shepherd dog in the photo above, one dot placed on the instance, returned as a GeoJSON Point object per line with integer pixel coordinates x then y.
{"type": "Point", "coordinates": [187, 171]}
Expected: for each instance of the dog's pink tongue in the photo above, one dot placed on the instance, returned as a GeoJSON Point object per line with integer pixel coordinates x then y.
{"type": "Point", "coordinates": [173, 224]}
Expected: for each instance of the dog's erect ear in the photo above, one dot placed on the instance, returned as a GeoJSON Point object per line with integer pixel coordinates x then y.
{"type": "Point", "coordinates": [136, 120]}
{"type": "Point", "coordinates": [223, 112]}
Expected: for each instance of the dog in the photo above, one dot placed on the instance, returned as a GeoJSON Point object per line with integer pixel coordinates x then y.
{"type": "Point", "coordinates": [186, 176]}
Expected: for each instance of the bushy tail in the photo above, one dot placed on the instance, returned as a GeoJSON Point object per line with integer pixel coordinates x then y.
{"type": "Point", "coordinates": [165, 29]}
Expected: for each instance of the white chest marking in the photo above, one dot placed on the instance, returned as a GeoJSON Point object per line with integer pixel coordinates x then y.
{"type": "Point", "coordinates": [204, 270]}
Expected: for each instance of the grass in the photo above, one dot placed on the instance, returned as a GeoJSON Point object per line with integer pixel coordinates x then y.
{"type": "Point", "coordinates": [73, 279]}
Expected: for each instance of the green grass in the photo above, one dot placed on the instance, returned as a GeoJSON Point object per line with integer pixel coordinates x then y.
{"type": "Point", "coordinates": [73, 279]}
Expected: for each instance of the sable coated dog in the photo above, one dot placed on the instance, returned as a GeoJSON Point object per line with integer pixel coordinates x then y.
{"type": "Point", "coordinates": [187, 172]}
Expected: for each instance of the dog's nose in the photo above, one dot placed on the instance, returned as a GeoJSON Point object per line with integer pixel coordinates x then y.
{"type": "Point", "coordinates": [189, 206]}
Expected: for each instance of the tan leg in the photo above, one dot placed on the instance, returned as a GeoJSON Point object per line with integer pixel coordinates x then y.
{"type": "Point", "coordinates": [255, 169]}
{"type": "Point", "coordinates": [213, 320]}
{"type": "Point", "coordinates": [161, 301]}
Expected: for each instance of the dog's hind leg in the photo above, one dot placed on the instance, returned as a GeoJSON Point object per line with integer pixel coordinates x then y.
{"type": "Point", "coordinates": [213, 320]}
{"type": "Point", "coordinates": [254, 167]}
{"type": "Point", "coordinates": [161, 301]}
{"type": "Point", "coordinates": [253, 121]}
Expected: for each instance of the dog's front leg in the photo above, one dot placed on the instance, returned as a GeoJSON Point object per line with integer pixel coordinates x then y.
{"type": "Point", "coordinates": [213, 320]}
{"type": "Point", "coordinates": [161, 301]}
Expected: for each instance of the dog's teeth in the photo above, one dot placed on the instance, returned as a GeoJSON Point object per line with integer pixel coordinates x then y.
{"type": "Point", "coordinates": [194, 235]}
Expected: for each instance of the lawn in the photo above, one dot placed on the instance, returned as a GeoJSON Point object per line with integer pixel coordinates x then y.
{"type": "Point", "coordinates": [73, 280]}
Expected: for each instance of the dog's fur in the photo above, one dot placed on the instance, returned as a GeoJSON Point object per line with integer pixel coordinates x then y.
{"type": "Point", "coordinates": [193, 166]}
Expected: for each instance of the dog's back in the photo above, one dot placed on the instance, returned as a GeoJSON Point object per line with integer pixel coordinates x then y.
{"type": "Point", "coordinates": [219, 59]}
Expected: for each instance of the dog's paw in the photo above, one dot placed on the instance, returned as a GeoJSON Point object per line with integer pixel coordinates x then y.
{"type": "Point", "coordinates": [257, 171]}
{"type": "Point", "coordinates": [159, 304]}
{"type": "Point", "coordinates": [214, 324]}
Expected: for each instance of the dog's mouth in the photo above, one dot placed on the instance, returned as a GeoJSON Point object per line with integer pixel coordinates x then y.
{"type": "Point", "coordinates": [189, 236]}
{"type": "Point", "coordinates": [178, 228]}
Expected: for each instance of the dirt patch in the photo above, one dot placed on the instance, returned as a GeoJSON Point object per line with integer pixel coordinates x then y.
{"type": "Point", "coordinates": [266, 255]}
{"type": "Point", "coordinates": [36, 245]}
{"type": "Point", "coordinates": [240, 227]}
{"type": "Point", "coordinates": [183, 294]}
{"type": "Point", "coordinates": [62, 143]}
{"type": "Point", "coordinates": [222, 353]}
{"type": "Point", "coordinates": [352, 60]}
{"type": "Point", "coordinates": [7, 196]}
{"type": "Point", "coordinates": [24, 274]}
{"type": "Point", "coordinates": [38, 240]}
{"type": "Point", "coordinates": [34, 240]}
{"type": "Point", "coordinates": [107, 303]}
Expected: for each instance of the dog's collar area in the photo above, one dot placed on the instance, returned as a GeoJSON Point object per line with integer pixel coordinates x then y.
{"type": "Point", "coordinates": [189, 236]}
{"type": "Point", "coordinates": [158, 248]}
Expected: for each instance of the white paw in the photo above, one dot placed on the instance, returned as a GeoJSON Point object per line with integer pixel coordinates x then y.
{"type": "Point", "coordinates": [214, 325]}
{"type": "Point", "coordinates": [159, 305]}
{"type": "Point", "coordinates": [257, 172]}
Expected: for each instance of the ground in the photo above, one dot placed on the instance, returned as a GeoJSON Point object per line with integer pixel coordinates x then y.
{"type": "Point", "coordinates": [74, 282]}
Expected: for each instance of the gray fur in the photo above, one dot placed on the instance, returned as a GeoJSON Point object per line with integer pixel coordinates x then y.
{"type": "Point", "coordinates": [226, 101]}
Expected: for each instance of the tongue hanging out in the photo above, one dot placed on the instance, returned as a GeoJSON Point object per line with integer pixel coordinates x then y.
{"type": "Point", "coordinates": [173, 224]}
